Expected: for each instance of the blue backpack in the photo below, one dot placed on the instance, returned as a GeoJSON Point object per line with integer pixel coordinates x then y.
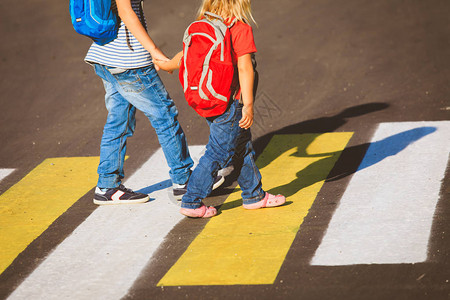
{"type": "Point", "coordinates": [96, 19]}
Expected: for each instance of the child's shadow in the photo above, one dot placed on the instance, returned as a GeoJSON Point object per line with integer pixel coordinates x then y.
{"type": "Point", "coordinates": [372, 153]}
{"type": "Point", "coordinates": [350, 159]}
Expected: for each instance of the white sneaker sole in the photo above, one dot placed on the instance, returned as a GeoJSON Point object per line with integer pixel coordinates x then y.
{"type": "Point", "coordinates": [218, 183]}
{"type": "Point", "coordinates": [114, 202]}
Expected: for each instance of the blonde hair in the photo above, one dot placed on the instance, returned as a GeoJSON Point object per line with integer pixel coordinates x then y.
{"type": "Point", "coordinates": [228, 9]}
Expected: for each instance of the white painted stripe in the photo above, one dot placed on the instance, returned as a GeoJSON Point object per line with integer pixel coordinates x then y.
{"type": "Point", "coordinates": [103, 257]}
{"type": "Point", "coordinates": [5, 172]}
{"type": "Point", "coordinates": [386, 213]}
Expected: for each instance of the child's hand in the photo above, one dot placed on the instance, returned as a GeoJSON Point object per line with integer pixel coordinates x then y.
{"type": "Point", "coordinates": [158, 55]}
{"type": "Point", "coordinates": [169, 65]}
{"type": "Point", "coordinates": [247, 117]}
{"type": "Point", "coordinates": [163, 65]}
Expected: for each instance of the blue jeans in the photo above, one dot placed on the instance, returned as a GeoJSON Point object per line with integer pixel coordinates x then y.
{"type": "Point", "coordinates": [226, 139]}
{"type": "Point", "coordinates": [126, 91]}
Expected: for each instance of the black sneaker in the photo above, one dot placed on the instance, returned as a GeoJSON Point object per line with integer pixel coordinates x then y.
{"type": "Point", "coordinates": [118, 195]}
{"type": "Point", "coordinates": [180, 189]}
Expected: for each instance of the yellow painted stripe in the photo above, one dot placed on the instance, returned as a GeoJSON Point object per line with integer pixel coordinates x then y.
{"type": "Point", "coordinates": [248, 247]}
{"type": "Point", "coordinates": [29, 207]}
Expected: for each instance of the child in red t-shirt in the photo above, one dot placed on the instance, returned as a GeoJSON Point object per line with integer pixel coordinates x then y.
{"type": "Point", "coordinates": [230, 132]}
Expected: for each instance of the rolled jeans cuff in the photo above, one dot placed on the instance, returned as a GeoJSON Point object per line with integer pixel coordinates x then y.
{"type": "Point", "coordinates": [254, 199]}
{"type": "Point", "coordinates": [192, 205]}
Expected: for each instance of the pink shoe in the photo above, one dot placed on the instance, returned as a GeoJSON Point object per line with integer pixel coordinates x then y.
{"type": "Point", "coordinates": [268, 201]}
{"type": "Point", "coordinates": [201, 212]}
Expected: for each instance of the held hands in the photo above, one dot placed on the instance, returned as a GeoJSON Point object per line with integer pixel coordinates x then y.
{"type": "Point", "coordinates": [247, 117]}
{"type": "Point", "coordinates": [158, 56]}
{"type": "Point", "coordinates": [169, 65]}
{"type": "Point", "coordinates": [163, 65]}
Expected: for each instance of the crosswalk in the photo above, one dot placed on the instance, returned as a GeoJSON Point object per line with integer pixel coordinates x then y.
{"type": "Point", "coordinates": [391, 198]}
{"type": "Point", "coordinates": [112, 238]}
{"type": "Point", "coordinates": [29, 207]}
{"type": "Point", "coordinates": [249, 247]}
{"type": "Point", "coordinates": [386, 213]}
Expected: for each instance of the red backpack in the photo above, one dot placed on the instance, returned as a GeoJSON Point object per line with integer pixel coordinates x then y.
{"type": "Point", "coordinates": [207, 70]}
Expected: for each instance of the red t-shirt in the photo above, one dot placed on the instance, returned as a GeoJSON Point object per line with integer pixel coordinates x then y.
{"type": "Point", "coordinates": [242, 39]}
{"type": "Point", "coordinates": [243, 43]}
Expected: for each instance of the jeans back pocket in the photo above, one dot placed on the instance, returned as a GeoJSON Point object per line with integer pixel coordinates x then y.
{"type": "Point", "coordinates": [129, 81]}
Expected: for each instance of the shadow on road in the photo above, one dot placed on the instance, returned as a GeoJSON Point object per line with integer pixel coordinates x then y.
{"type": "Point", "coordinates": [350, 159]}
{"type": "Point", "coordinates": [377, 151]}
{"type": "Point", "coordinates": [319, 125]}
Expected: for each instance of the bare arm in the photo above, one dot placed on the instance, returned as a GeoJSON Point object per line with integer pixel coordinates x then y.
{"type": "Point", "coordinates": [172, 64]}
{"type": "Point", "coordinates": [134, 25]}
{"type": "Point", "coordinates": [246, 80]}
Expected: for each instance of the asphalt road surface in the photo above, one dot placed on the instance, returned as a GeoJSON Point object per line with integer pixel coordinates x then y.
{"type": "Point", "coordinates": [351, 123]}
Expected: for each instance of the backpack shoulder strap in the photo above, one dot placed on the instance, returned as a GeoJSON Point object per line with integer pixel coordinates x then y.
{"type": "Point", "coordinates": [232, 23]}
{"type": "Point", "coordinates": [210, 14]}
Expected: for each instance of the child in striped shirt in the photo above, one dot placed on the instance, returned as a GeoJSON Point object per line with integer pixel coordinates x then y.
{"type": "Point", "coordinates": [131, 82]}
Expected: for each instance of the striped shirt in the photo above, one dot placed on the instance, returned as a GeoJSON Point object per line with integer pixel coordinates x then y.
{"type": "Point", "coordinates": [125, 51]}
